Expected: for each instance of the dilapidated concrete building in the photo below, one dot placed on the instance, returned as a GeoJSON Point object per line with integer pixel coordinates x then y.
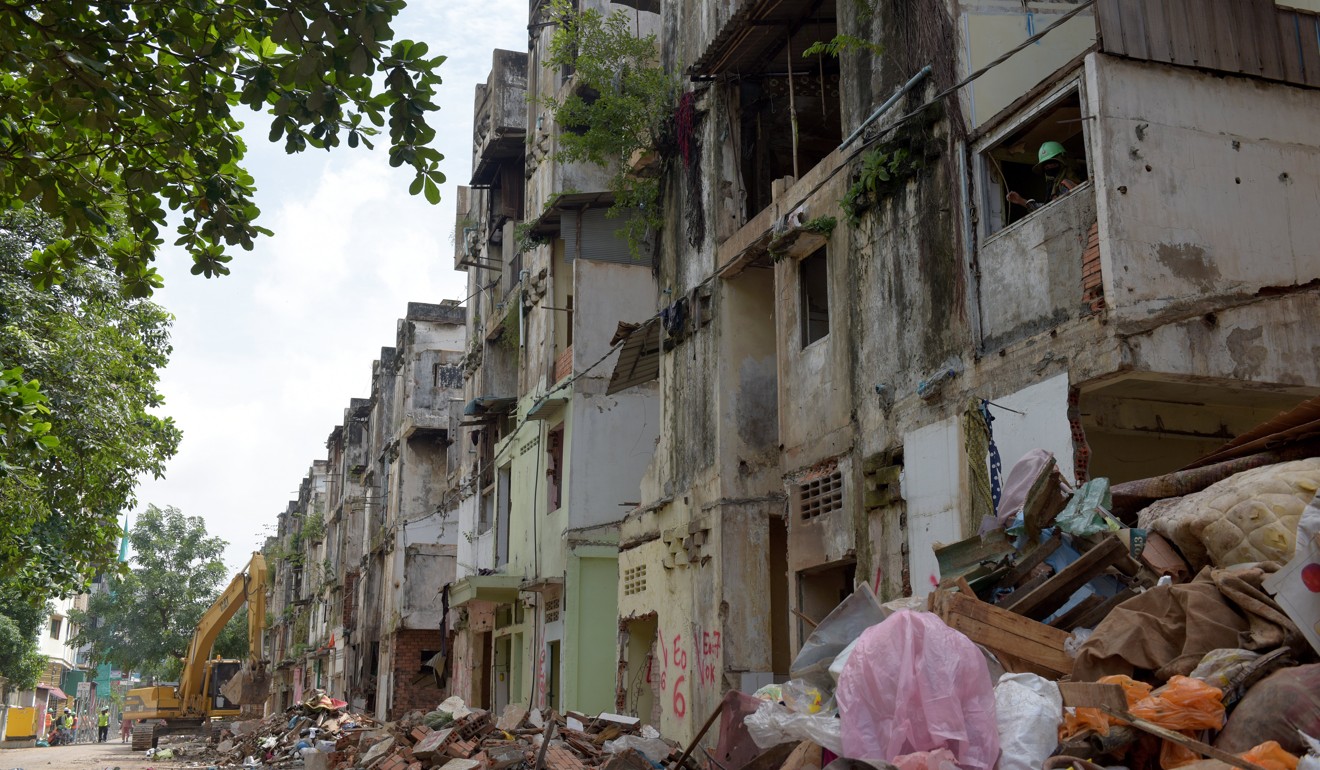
{"type": "Point", "coordinates": [362, 557]}
{"type": "Point", "coordinates": [870, 328]}
{"type": "Point", "coordinates": [554, 460]}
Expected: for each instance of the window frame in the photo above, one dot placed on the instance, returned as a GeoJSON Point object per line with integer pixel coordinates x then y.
{"type": "Point", "coordinates": [988, 195]}
{"type": "Point", "coordinates": [804, 315]}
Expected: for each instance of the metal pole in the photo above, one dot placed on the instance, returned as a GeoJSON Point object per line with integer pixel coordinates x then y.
{"type": "Point", "coordinates": [890, 102]}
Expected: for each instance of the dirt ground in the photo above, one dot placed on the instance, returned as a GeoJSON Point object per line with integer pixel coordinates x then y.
{"type": "Point", "coordinates": [94, 756]}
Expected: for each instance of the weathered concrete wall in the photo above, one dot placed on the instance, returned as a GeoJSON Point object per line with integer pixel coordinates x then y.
{"type": "Point", "coordinates": [748, 402]}
{"type": "Point", "coordinates": [1266, 340]}
{"type": "Point", "coordinates": [1207, 185]}
{"type": "Point", "coordinates": [1043, 423]}
{"type": "Point", "coordinates": [993, 27]}
{"type": "Point", "coordinates": [1031, 271]}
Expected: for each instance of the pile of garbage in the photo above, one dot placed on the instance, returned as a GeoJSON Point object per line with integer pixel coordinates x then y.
{"type": "Point", "coordinates": [1164, 623]}
{"type": "Point", "coordinates": [321, 734]}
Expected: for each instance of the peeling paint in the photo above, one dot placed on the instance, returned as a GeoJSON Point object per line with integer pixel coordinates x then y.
{"type": "Point", "coordinates": [1246, 351]}
{"type": "Point", "coordinates": [1188, 261]}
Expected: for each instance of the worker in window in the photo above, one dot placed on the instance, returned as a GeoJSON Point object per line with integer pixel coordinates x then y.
{"type": "Point", "coordinates": [1054, 164]}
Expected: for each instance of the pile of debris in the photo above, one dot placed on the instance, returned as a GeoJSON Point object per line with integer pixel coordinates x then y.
{"type": "Point", "coordinates": [1148, 625]}
{"type": "Point", "coordinates": [321, 734]}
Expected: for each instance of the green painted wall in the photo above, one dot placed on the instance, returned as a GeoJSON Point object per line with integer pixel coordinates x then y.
{"type": "Point", "coordinates": [591, 643]}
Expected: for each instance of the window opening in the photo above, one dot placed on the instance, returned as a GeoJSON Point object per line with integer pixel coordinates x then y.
{"type": "Point", "coordinates": [813, 278]}
{"type": "Point", "coordinates": [1037, 163]}
{"type": "Point", "coordinates": [766, 87]}
{"type": "Point", "coordinates": [554, 468]}
{"type": "Point", "coordinates": [55, 624]}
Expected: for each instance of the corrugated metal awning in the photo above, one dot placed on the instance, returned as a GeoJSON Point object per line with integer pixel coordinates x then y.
{"type": "Point", "coordinates": [753, 37]}
{"type": "Point", "coordinates": [639, 359]}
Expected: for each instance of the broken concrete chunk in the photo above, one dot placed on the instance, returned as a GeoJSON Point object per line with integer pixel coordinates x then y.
{"type": "Point", "coordinates": [377, 752]}
{"type": "Point", "coordinates": [461, 764]}
{"type": "Point", "coordinates": [512, 717]}
{"type": "Point", "coordinates": [432, 744]}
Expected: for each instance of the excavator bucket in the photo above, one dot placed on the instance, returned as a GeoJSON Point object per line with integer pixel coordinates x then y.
{"type": "Point", "coordinates": [249, 687]}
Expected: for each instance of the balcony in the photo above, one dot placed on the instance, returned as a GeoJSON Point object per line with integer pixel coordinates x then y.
{"type": "Point", "coordinates": [499, 125]}
{"type": "Point", "coordinates": [1031, 271]}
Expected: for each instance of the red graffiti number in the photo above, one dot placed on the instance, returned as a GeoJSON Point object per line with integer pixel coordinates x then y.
{"type": "Point", "coordinates": [680, 702]}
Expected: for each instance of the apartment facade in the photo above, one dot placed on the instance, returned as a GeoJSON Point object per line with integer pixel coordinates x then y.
{"type": "Point", "coordinates": [879, 329]}
{"type": "Point", "coordinates": [363, 556]}
{"type": "Point", "coordinates": [554, 459]}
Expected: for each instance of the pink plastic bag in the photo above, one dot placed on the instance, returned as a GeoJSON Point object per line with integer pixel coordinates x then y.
{"type": "Point", "coordinates": [914, 684]}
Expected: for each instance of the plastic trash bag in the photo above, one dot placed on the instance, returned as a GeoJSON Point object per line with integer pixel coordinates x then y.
{"type": "Point", "coordinates": [914, 684]}
{"type": "Point", "coordinates": [1087, 511]}
{"type": "Point", "coordinates": [1312, 759]}
{"type": "Point", "coordinates": [773, 724]}
{"type": "Point", "coordinates": [939, 759]}
{"type": "Point", "coordinates": [841, 627]}
{"type": "Point", "coordinates": [1028, 709]}
{"type": "Point", "coordinates": [1183, 704]}
{"type": "Point", "coordinates": [806, 698]}
{"type": "Point", "coordinates": [1271, 756]}
{"type": "Point", "coordinates": [653, 749]}
{"type": "Point", "coordinates": [1082, 720]}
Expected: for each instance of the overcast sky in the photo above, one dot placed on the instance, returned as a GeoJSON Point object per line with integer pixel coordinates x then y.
{"type": "Point", "coordinates": [266, 359]}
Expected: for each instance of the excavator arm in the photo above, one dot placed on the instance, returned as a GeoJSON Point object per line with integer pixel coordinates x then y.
{"type": "Point", "coordinates": [247, 586]}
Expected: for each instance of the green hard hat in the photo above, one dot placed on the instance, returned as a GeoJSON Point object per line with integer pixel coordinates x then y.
{"type": "Point", "coordinates": [1049, 151]}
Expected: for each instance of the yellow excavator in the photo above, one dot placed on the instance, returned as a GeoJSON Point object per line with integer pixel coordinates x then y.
{"type": "Point", "coordinates": [209, 688]}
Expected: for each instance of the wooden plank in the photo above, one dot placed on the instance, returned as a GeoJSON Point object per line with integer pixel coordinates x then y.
{"type": "Point", "coordinates": [1032, 560]}
{"type": "Point", "coordinates": [1093, 695]}
{"type": "Point", "coordinates": [1023, 591]}
{"type": "Point", "coordinates": [1004, 631]}
{"type": "Point", "coordinates": [1092, 618]}
{"type": "Point", "coordinates": [1054, 592]}
{"type": "Point", "coordinates": [1204, 749]}
{"type": "Point", "coordinates": [1068, 620]}
{"type": "Point", "coordinates": [1238, 40]}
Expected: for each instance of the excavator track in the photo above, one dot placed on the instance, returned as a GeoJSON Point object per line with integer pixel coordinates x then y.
{"type": "Point", "coordinates": [144, 736]}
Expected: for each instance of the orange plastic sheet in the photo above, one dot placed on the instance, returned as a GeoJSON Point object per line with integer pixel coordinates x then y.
{"type": "Point", "coordinates": [1271, 756]}
{"type": "Point", "coordinates": [1186, 705]}
{"type": "Point", "coordinates": [1082, 720]}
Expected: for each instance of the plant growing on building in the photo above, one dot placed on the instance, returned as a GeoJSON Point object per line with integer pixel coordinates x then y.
{"type": "Point", "coordinates": [821, 225]}
{"type": "Point", "coordinates": [314, 526]}
{"type": "Point", "coordinates": [618, 104]}
{"type": "Point", "coordinates": [881, 171]}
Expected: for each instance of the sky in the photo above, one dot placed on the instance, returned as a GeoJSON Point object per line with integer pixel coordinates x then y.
{"type": "Point", "coordinates": [266, 359]}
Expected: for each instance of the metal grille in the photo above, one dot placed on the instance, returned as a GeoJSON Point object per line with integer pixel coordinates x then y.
{"type": "Point", "coordinates": [820, 496]}
{"type": "Point", "coordinates": [634, 580]}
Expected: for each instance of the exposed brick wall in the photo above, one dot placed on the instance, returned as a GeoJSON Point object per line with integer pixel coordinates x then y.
{"type": "Point", "coordinates": [410, 694]}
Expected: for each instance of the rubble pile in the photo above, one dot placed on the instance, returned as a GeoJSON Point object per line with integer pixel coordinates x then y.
{"type": "Point", "coordinates": [1168, 622]}
{"type": "Point", "coordinates": [322, 734]}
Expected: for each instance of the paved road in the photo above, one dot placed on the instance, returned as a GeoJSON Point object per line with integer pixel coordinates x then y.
{"type": "Point", "coordinates": [85, 756]}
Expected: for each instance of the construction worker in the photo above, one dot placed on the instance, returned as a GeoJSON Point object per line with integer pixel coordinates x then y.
{"type": "Point", "coordinates": [103, 724]}
{"type": "Point", "coordinates": [67, 722]}
{"type": "Point", "coordinates": [1053, 163]}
